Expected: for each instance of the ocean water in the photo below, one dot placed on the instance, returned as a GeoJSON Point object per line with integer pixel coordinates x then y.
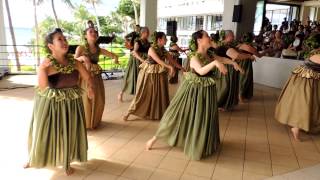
{"type": "Point", "coordinates": [23, 36]}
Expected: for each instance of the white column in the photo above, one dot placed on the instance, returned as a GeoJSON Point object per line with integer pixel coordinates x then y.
{"type": "Point", "coordinates": [148, 14]}
{"type": "Point", "coordinates": [205, 19]}
{"type": "Point", "coordinates": [227, 23]}
{"type": "Point", "coordinates": [2, 38]}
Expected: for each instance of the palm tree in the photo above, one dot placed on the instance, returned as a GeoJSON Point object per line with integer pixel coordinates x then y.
{"type": "Point", "coordinates": [13, 36]}
{"type": "Point", "coordinates": [68, 2]}
{"type": "Point", "coordinates": [134, 4]}
{"type": "Point", "coordinates": [93, 3]}
{"type": "Point", "coordinates": [35, 4]}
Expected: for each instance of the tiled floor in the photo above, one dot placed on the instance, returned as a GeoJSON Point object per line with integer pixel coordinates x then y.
{"type": "Point", "coordinates": [254, 145]}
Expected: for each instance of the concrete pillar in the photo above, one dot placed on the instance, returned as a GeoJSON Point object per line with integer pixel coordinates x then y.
{"type": "Point", "coordinates": [3, 56]}
{"type": "Point", "coordinates": [305, 11]}
{"type": "Point", "coordinates": [148, 14]}
{"type": "Point", "coordinates": [205, 22]}
{"type": "Point", "coordinates": [318, 14]}
{"type": "Point", "coordinates": [227, 23]}
{"type": "Point", "coordinates": [247, 19]}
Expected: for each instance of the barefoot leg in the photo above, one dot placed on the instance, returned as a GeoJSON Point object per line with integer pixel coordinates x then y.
{"type": "Point", "coordinates": [295, 133]}
{"type": "Point", "coordinates": [27, 165]}
{"type": "Point", "coordinates": [69, 171]}
{"type": "Point", "coordinates": [241, 100]}
{"type": "Point", "coordinates": [150, 143]}
{"type": "Point", "coordinates": [125, 117]}
{"type": "Point", "coordinates": [120, 96]}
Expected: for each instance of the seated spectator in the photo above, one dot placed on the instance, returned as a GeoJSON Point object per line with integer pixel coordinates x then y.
{"type": "Point", "coordinates": [276, 46]}
{"type": "Point", "coordinates": [293, 51]}
{"type": "Point", "coordinates": [300, 30]}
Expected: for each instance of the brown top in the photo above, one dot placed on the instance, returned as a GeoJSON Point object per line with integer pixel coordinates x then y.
{"type": "Point", "coordinates": [60, 80]}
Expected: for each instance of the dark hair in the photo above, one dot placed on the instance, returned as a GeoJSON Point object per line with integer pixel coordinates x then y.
{"type": "Point", "coordinates": [215, 37]}
{"type": "Point", "coordinates": [193, 45]}
{"type": "Point", "coordinates": [174, 39]}
{"type": "Point", "coordinates": [247, 37]}
{"type": "Point", "coordinates": [49, 38]}
{"type": "Point", "coordinates": [157, 35]}
{"type": "Point", "coordinates": [89, 26]}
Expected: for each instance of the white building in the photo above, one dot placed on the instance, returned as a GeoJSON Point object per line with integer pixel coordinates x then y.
{"type": "Point", "coordinates": [191, 15]}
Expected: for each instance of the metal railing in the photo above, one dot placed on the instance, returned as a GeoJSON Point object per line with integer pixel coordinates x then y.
{"type": "Point", "coordinates": [28, 61]}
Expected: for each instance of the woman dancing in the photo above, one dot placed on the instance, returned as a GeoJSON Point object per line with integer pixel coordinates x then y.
{"type": "Point", "coordinates": [89, 55]}
{"type": "Point", "coordinates": [191, 121]}
{"type": "Point", "coordinates": [138, 55]}
{"type": "Point", "coordinates": [152, 98]}
{"type": "Point", "coordinates": [57, 134]}
{"type": "Point", "coordinates": [299, 102]}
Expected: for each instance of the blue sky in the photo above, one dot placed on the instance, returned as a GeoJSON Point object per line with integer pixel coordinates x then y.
{"type": "Point", "coordinates": [22, 11]}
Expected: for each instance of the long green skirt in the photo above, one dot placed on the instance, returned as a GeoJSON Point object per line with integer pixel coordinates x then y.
{"type": "Point", "coordinates": [246, 79]}
{"type": "Point", "coordinates": [228, 88]}
{"type": "Point", "coordinates": [299, 102]}
{"type": "Point", "coordinates": [191, 121]}
{"type": "Point", "coordinates": [131, 76]}
{"type": "Point", "coordinates": [57, 134]}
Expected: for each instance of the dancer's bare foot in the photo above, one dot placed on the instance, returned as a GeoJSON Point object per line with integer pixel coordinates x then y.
{"type": "Point", "coordinates": [221, 109]}
{"type": "Point", "coordinates": [150, 143]}
{"type": "Point", "coordinates": [295, 133]}
{"type": "Point", "coordinates": [241, 99]}
{"type": "Point", "coordinates": [125, 117]}
{"type": "Point", "coordinates": [120, 97]}
{"type": "Point", "coordinates": [27, 165]}
{"type": "Point", "coordinates": [69, 171]}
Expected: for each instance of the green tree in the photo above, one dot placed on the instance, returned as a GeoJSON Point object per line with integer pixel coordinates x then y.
{"type": "Point", "coordinates": [129, 8]}
{"type": "Point", "coordinates": [81, 15]}
{"type": "Point", "coordinates": [94, 3]}
{"type": "Point", "coordinates": [111, 24]}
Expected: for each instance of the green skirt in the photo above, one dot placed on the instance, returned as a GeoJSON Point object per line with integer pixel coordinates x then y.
{"type": "Point", "coordinates": [227, 88]}
{"type": "Point", "coordinates": [246, 79]}
{"type": "Point", "coordinates": [299, 102]}
{"type": "Point", "coordinates": [57, 134]}
{"type": "Point", "coordinates": [191, 121]}
{"type": "Point", "coordinates": [131, 76]}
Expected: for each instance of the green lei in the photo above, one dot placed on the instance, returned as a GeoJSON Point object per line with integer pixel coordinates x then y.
{"type": "Point", "coordinates": [202, 58]}
{"type": "Point", "coordinates": [88, 53]}
{"type": "Point", "coordinates": [68, 69]}
{"type": "Point", "coordinates": [161, 51]}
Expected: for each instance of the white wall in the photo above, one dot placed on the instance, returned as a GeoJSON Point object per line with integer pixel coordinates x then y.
{"type": "Point", "coordinates": [176, 8]}
{"type": "Point", "coordinates": [273, 72]}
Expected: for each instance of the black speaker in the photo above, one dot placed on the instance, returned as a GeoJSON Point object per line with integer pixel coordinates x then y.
{"type": "Point", "coordinates": [237, 12]}
{"type": "Point", "coordinates": [171, 28]}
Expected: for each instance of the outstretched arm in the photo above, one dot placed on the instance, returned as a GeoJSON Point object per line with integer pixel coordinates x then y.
{"type": "Point", "coordinates": [225, 60]}
{"type": "Point", "coordinates": [203, 70]}
{"type": "Point", "coordinates": [174, 62]}
{"type": "Point", "coordinates": [111, 55]}
{"type": "Point", "coordinates": [234, 54]}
